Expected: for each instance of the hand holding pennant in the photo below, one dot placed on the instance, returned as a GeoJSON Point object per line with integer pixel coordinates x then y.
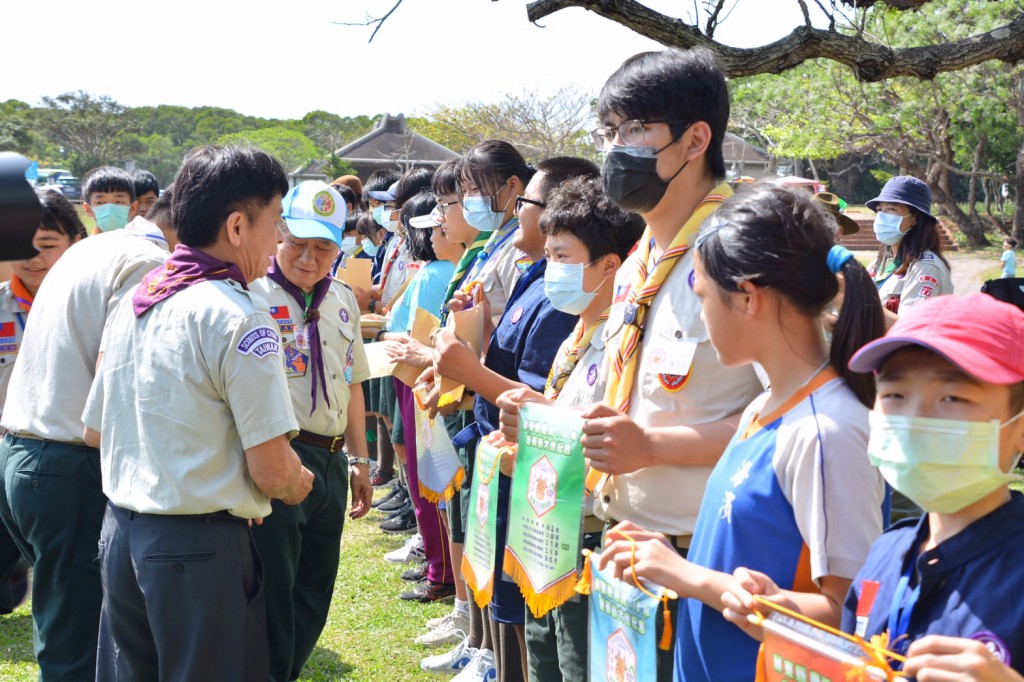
{"type": "Point", "coordinates": [469, 327]}
{"type": "Point", "coordinates": [423, 326]}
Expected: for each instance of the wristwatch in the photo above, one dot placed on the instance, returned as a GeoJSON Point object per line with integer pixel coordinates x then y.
{"type": "Point", "coordinates": [359, 460]}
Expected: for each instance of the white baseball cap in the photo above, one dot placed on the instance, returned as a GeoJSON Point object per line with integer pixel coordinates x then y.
{"type": "Point", "coordinates": [315, 210]}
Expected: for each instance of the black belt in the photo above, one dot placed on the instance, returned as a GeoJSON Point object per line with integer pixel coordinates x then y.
{"type": "Point", "coordinates": [330, 443]}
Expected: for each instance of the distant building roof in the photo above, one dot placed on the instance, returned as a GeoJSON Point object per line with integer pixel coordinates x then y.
{"type": "Point", "coordinates": [391, 141]}
{"type": "Point", "coordinates": [737, 150]}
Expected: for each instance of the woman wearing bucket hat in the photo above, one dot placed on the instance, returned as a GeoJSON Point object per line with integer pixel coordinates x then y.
{"type": "Point", "coordinates": [910, 266]}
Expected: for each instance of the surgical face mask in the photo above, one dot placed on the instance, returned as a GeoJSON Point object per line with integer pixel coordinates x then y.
{"type": "Point", "coordinates": [378, 214]}
{"type": "Point", "coordinates": [630, 176]}
{"type": "Point", "coordinates": [369, 248]}
{"type": "Point", "coordinates": [349, 245]}
{"type": "Point", "coordinates": [563, 285]}
{"type": "Point", "coordinates": [477, 212]}
{"type": "Point", "coordinates": [887, 228]}
{"type": "Point", "coordinates": [110, 216]}
{"type": "Point", "coordinates": [942, 465]}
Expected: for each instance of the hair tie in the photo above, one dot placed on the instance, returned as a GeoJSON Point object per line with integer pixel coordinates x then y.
{"type": "Point", "coordinates": [838, 257]}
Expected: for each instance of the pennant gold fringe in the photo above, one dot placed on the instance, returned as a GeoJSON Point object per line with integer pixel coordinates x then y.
{"type": "Point", "coordinates": [540, 603]}
{"type": "Point", "coordinates": [482, 597]}
{"type": "Point", "coordinates": [434, 496]}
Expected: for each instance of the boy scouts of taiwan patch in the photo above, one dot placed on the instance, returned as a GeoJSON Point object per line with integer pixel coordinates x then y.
{"type": "Point", "coordinates": [261, 341]}
{"type": "Point", "coordinates": [344, 315]}
{"type": "Point", "coordinates": [323, 203]}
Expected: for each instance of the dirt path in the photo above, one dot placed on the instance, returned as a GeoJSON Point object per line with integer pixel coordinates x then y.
{"type": "Point", "coordinates": [967, 270]}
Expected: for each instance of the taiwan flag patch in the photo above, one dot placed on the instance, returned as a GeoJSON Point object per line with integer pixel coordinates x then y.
{"type": "Point", "coordinates": [283, 318]}
{"type": "Point", "coordinates": [8, 340]}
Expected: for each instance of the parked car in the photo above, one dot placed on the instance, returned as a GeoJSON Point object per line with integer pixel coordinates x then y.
{"type": "Point", "coordinates": [70, 187]}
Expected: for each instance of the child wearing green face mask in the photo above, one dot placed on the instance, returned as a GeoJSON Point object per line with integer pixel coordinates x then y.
{"type": "Point", "coordinates": [946, 432]}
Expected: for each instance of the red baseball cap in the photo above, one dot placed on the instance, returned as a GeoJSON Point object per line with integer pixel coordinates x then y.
{"type": "Point", "coordinates": [982, 336]}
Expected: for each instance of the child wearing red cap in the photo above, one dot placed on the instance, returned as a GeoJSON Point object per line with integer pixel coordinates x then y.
{"type": "Point", "coordinates": [946, 432]}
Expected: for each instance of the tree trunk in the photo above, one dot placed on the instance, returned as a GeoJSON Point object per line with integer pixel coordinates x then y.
{"type": "Point", "coordinates": [1018, 193]}
{"type": "Point", "coordinates": [972, 191]}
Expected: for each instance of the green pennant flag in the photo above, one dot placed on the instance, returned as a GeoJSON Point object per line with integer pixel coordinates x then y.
{"type": "Point", "coordinates": [478, 557]}
{"type": "Point", "coordinates": [546, 506]}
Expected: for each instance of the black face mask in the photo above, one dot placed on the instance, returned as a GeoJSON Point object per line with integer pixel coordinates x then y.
{"type": "Point", "coordinates": [630, 177]}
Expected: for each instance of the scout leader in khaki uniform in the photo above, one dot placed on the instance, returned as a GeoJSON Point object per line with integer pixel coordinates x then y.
{"type": "Point", "coordinates": [323, 358]}
{"type": "Point", "coordinates": [670, 407]}
{"type": "Point", "coordinates": [192, 403]}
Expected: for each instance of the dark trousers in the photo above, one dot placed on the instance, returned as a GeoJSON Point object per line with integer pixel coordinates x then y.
{"type": "Point", "coordinates": [182, 599]}
{"type": "Point", "coordinates": [52, 505]}
{"type": "Point", "coordinates": [300, 546]}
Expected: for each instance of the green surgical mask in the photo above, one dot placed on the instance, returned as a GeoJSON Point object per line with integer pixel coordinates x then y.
{"type": "Point", "coordinates": [942, 465]}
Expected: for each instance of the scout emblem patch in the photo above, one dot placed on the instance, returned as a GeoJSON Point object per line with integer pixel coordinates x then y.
{"type": "Point", "coordinates": [295, 362]}
{"type": "Point", "coordinates": [323, 203]}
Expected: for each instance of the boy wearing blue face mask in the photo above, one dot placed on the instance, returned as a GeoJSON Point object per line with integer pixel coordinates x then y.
{"type": "Point", "coordinates": [109, 198]}
{"type": "Point", "coordinates": [945, 432]}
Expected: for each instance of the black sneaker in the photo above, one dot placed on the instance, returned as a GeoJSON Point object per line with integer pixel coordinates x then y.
{"type": "Point", "coordinates": [404, 509]}
{"type": "Point", "coordinates": [395, 492]}
{"type": "Point", "coordinates": [395, 503]}
{"type": "Point", "coordinates": [415, 575]}
{"type": "Point", "coordinates": [427, 592]}
{"type": "Point", "coordinates": [379, 479]}
{"type": "Point", "coordinates": [403, 523]}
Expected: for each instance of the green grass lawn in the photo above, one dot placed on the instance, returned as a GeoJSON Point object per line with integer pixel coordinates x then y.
{"type": "Point", "coordinates": [369, 633]}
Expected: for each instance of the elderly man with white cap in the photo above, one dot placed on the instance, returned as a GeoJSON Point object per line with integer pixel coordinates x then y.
{"type": "Point", "coordinates": [317, 318]}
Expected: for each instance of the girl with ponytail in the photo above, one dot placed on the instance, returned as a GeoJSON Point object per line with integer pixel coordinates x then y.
{"type": "Point", "coordinates": [793, 496]}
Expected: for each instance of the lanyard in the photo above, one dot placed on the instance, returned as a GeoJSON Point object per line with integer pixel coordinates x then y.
{"type": "Point", "coordinates": [902, 609]}
{"type": "Point", "coordinates": [485, 255]}
{"type": "Point", "coordinates": [21, 320]}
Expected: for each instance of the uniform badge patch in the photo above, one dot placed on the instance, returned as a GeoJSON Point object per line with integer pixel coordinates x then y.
{"type": "Point", "coordinates": [517, 315]}
{"type": "Point", "coordinates": [344, 315]}
{"type": "Point", "coordinates": [592, 375]}
{"type": "Point", "coordinates": [8, 340]}
{"type": "Point", "coordinates": [295, 362]}
{"type": "Point", "coordinates": [691, 279]}
{"type": "Point", "coordinates": [261, 341]}
{"type": "Point", "coordinates": [283, 318]}
{"type": "Point", "coordinates": [673, 382]}
{"type": "Point", "coordinates": [929, 279]}
{"type": "Point", "coordinates": [994, 644]}
{"type": "Point", "coordinates": [323, 203]}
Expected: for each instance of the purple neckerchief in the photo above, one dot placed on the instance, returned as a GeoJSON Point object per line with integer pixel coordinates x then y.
{"type": "Point", "coordinates": [185, 266]}
{"type": "Point", "coordinates": [310, 319]}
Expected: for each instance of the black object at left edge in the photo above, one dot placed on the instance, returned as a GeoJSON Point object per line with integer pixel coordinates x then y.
{"type": "Point", "coordinates": [20, 211]}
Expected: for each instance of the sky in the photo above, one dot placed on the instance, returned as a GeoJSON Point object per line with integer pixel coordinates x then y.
{"type": "Point", "coordinates": [284, 59]}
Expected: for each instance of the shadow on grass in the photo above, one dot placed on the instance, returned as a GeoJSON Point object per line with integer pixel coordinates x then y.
{"type": "Point", "coordinates": [324, 665]}
{"type": "Point", "coordinates": [16, 638]}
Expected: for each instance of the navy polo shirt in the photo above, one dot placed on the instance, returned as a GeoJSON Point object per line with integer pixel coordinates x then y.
{"type": "Point", "coordinates": [972, 585]}
{"type": "Point", "coordinates": [523, 347]}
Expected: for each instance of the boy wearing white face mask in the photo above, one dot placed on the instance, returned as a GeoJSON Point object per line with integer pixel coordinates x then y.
{"type": "Point", "coordinates": [109, 198]}
{"type": "Point", "coordinates": [946, 432]}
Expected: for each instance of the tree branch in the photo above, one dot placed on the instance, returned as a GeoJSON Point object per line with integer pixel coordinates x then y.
{"type": "Point", "coordinates": [870, 62]}
{"type": "Point", "coordinates": [371, 21]}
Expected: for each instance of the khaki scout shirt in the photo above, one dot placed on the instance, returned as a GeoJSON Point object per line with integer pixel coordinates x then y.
{"type": "Point", "coordinates": [180, 395]}
{"type": "Point", "coordinates": [342, 346]}
{"type": "Point", "coordinates": [57, 361]}
{"type": "Point", "coordinates": [679, 382]}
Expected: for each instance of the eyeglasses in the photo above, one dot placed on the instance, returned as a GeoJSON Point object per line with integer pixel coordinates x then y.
{"type": "Point", "coordinates": [443, 205]}
{"type": "Point", "coordinates": [523, 200]}
{"type": "Point", "coordinates": [631, 133]}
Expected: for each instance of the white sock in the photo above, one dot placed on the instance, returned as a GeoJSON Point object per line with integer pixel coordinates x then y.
{"type": "Point", "coordinates": [462, 607]}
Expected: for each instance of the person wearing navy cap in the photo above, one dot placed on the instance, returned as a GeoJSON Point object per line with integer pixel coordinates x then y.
{"type": "Point", "coordinates": [946, 432]}
{"type": "Point", "coordinates": [323, 358]}
{"type": "Point", "coordinates": [910, 266]}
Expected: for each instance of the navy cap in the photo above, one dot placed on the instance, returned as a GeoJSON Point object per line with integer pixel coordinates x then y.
{"type": "Point", "coordinates": [908, 190]}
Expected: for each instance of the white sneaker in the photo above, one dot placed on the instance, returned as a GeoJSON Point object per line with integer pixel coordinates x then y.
{"type": "Point", "coordinates": [453, 628]}
{"type": "Point", "coordinates": [451, 662]}
{"type": "Point", "coordinates": [480, 669]}
{"type": "Point", "coordinates": [411, 551]}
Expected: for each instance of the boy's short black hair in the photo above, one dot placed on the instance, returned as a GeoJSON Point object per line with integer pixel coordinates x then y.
{"type": "Point", "coordinates": [412, 183]}
{"type": "Point", "coordinates": [672, 85]}
{"type": "Point", "coordinates": [447, 177]}
{"type": "Point", "coordinates": [1012, 242]}
{"type": "Point", "coordinates": [160, 212]}
{"type": "Point", "coordinates": [59, 215]}
{"type": "Point", "coordinates": [347, 196]}
{"type": "Point", "coordinates": [352, 221]}
{"type": "Point", "coordinates": [108, 179]}
{"type": "Point", "coordinates": [379, 181]}
{"type": "Point", "coordinates": [559, 169]}
{"type": "Point", "coordinates": [580, 207]}
{"type": "Point", "coordinates": [216, 181]}
{"type": "Point", "coordinates": [145, 182]}
{"type": "Point", "coordinates": [418, 238]}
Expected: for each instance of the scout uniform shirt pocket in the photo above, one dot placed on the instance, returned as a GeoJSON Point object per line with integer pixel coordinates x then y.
{"type": "Point", "coordinates": [295, 343]}
{"type": "Point", "coordinates": [669, 356]}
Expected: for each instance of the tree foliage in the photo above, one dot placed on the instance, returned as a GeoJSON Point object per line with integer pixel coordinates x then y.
{"type": "Point", "coordinates": [290, 147]}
